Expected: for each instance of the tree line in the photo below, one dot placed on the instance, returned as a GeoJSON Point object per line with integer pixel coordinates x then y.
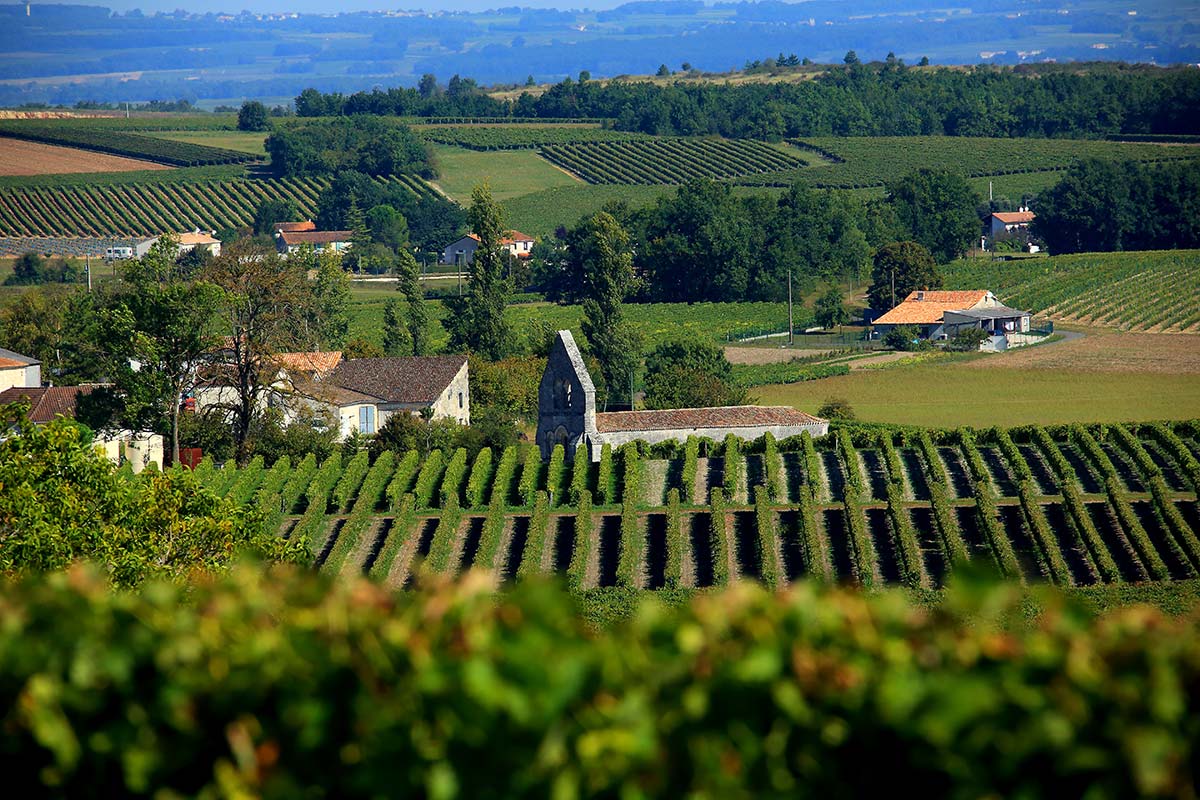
{"type": "Point", "coordinates": [856, 99]}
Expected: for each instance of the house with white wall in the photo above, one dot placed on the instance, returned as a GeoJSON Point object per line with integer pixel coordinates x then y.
{"type": "Point", "coordinates": [462, 252]}
{"type": "Point", "coordinates": [17, 370]}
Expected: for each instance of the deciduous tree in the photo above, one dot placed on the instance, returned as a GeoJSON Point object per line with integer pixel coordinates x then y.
{"type": "Point", "coordinates": [938, 210]}
{"type": "Point", "coordinates": [900, 268]}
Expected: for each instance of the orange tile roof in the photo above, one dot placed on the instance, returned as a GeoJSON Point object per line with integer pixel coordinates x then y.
{"type": "Point", "coordinates": [512, 238]}
{"type": "Point", "coordinates": [317, 362]}
{"type": "Point", "coordinates": [1014, 217]}
{"type": "Point", "coordinates": [692, 418]}
{"type": "Point", "coordinates": [197, 238]}
{"type": "Point", "coordinates": [929, 310]}
{"type": "Point", "coordinates": [296, 227]}
{"type": "Point", "coordinates": [6, 363]}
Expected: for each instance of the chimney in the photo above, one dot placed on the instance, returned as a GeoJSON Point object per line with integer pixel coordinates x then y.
{"type": "Point", "coordinates": [920, 295]}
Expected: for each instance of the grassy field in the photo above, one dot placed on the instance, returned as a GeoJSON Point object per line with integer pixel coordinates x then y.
{"type": "Point", "coordinates": [511, 173]}
{"type": "Point", "coordinates": [1015, 388]}
{"type": "Point", "coordinates": [246, 142]}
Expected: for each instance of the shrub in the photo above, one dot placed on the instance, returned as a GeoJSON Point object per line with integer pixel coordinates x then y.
{"type": "Point", "coordinates": [378, 662]}
{"type": "Point", "coordinates": [838, 408]}
{"type": "Point", "coordinates": [502, 480]}
{"type": "Point", "coordinates": [967, 340]}
{"type": "Point", "coordinates": [441, 547]}
{"type": "Point", "coordinates": [771, 464]}
{"type": "Point", "coordinates": [631, 477]}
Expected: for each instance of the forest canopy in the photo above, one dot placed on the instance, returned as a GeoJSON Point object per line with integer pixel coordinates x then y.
{"type": "Point", "coordinates": [363, 144]}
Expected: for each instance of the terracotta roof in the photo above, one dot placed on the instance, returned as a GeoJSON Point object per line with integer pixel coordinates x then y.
{"type": "Point", "coordinates": [319, 363]}
{"type": "Point", "coordinates": [296, 227]}
{"type": "Point", "coordinates": [10, 359]}
{"type": "Point", "coordinates": [512, 238]}
{"type": "Point", "coordinates": [48, 402]}
{"type": "Point", "coordinates": [1014, 217]}
{"type": "Point", "coordinates": [418, 379]}
{"type": "Point", "coordinates": [692, 418]}
{"type": "Point", "coordinates": [197, 238]}
{"type": "Point", "coordinates": [929, 309]}
{"type": "Point", "coordinates": [315, 237]}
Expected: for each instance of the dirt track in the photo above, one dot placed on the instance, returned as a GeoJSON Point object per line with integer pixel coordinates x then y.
{"type": "Point", "coordinates": [19, 157]}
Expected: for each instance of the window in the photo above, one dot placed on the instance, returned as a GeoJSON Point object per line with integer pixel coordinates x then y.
{"type": "Point", "coordinates": [460, 399]}
{"type": "Point", "coordinates": [366, 419]}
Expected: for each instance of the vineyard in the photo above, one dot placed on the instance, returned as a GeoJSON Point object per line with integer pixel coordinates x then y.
{"type": "Point", "coordinates": [104, 210]}
{"type": "Point", "coordinates": [1147, 291]}
{"type": "Point", "coordinates": [1072, 505]}
{"type": "Point", "coordinates": [521, 137]}
{"type": "Point", "coordinates": [123, 143]}
{"type": "Point", "coordinates": [664, 160]}
{"type": "Point", "coordinates": [859, 162]}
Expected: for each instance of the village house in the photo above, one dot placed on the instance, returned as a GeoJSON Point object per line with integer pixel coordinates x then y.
{"type": "Point", "coordinates": [139, 449]}
{"type": "Point", "coordinates": [17, 370]}
{"type": "Point", "coordinates": [289, 242]}
{"type": "Point", "coordinates": [358, 394]}
{"type": "Point", "coordinates": [940, 315]}
{"type": "Point", "coordinates": [462, 252]}
{"type": "Point", "coordinates": [204, 240]}
{"type": "Point", "coordinates": [1010, 222]}
{"type": "Point", "coordinates": [567, 414]}
{"type": "Point", "coordinates": [295, 227]}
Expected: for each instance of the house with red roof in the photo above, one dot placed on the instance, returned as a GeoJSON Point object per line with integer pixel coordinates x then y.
{"type": "Point", "coordinates": [18, 370]}
{"type": "Point", "coordinates": [940, 315]}
{"type": "Point", "coordinates": [567, 414]}
{"type": "Point", "coordinates": [462, 252]}
{"type": "Point", "coordinates": [1010, 222]}
{"type": "Point", "coordinates": [288, 242]}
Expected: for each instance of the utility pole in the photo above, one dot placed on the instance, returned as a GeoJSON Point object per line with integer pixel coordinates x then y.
{"type": "Point", "coordinates": [791, 323]}
{"type": "Point", "coordinates": [88, 267]}
{"type": "Point", "coordinates": [893, 286]}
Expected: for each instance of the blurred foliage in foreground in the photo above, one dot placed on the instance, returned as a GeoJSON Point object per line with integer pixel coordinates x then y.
{"type": "Point", "coordinates": [61, 500]}
{"type": "Point", "coordinates": [275, 682]}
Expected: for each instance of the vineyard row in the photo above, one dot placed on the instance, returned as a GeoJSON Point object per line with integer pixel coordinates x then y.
{"type": "Point", "coordinates": [123, 143]}
{"type": "Point", "coordinates": [149, 209]}
{"type": "Point", "coordinates": [1075, 506]}
{"type": "Point", "coordinates": [668, 160]}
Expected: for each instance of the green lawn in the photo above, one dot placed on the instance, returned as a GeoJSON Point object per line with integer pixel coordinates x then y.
{"type": "Point", "coordinates": [540, 213]}
{"type": "Point", "coordinates": [948, 395]}
{"type": "Point", "coordinates": [230, 140]}
{"type": "Point", "coordinates": [511, 173]}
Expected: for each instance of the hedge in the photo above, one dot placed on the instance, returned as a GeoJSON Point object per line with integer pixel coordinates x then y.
{"type": "Point", "coordinates": [535, 542]}
{"type": "Point", "coordinates": [554, 475]}
{"type": "Point", "coordinates": [502, 480]}
{"type": "Point", "coordinates": [530, 474]}
{"type": "Point", "coordinates": [428, 478]}
{"type": "Point", "coordinates": [732, 471]}
{"type": "Point", "coordinates": [631, 475]}
{"type": "Point", "coordinates": [630, 561]}
{"type": "Point", "coordinates": [1076, 508]}
{"type": "Point", "coordinates": [283, 685]}
{"type": "Point", "coordinates": [768, 538]}
{"type": "Point", "coordinates": [860, 542]}
{"type": "Point", "coordinates": [348, 484]}
{"type": "Point", "coordinates": [293, 490]}
{"type": "Point", "coordinates": [604, 477]}
{"type": "Point", "coordinates": [441, 547]}
{"type": "Point", "coordinates": [845, 446]}
{"type": "Point", "coordinates": [363, 512]}
{"type": "Point", "coordinates": [687, 478]}
{"type": "Point", "coordinates": [581, 551]}
{"type": "Point", "coordinates": [246, 482]}
{"type": "Point", "coordinates": [580, 468]}
{"type": "Point", "coordinates": [771, 465]}
{"type": "Point", "coordinates": [400, 483]}
{"type": "Point", "coordinates": [493, 532]}
{"type": "Point", "coordinates": [401, 529]}
{"type": "Point", "coordinates": [676, 543]}
{"type": "Point", "coordinates": [719, 537]}
{"type": "Point", "coordinates": [452, 479]}
{"type": "Point", "coordinates": [481, 474]}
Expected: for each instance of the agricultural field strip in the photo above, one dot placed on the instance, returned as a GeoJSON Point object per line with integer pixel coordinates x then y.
{"type": "Point", "coordinates": [668, 161]}
{"type": "Point", "coordinates": [124, 143]}
{"type": "Point", "coordinates": [1150, 493]}
{"type": "Point", "coordinates": [503, 137]}
{"type": "Point", "coordinates": [861, 162]}
{"type": "Point", "coordinates": [1133, 290]}
{"type": "Point", "coordinates": [147, 209]}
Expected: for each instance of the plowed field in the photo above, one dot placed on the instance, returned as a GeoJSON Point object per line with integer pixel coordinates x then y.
{"type": "Point", "coordinates": [19, 157]}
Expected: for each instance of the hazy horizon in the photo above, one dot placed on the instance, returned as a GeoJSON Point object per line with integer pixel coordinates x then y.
{"type": "Point", "coordinates": [323, 7]}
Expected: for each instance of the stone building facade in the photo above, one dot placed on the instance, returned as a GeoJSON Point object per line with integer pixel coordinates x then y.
{"type": "Point", "coordinates": [567, 414]}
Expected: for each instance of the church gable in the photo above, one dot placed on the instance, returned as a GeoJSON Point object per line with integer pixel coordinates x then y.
{"type": "Point", "coordinates": [566, 398]}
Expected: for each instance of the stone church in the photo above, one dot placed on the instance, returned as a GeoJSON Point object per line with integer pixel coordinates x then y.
{"type": "Point", "coordinates": [567, 414]}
